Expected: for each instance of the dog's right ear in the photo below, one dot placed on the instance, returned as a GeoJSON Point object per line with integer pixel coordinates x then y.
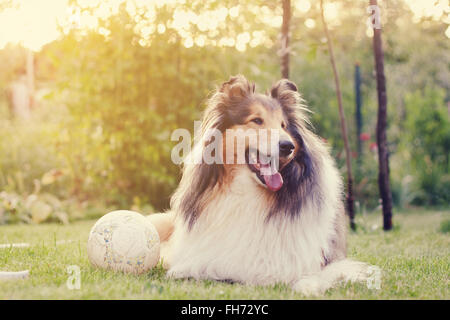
{"type": "Point", "coordinates": [285, 92]}
{"type": "Point", "coordinates": [237, 87]}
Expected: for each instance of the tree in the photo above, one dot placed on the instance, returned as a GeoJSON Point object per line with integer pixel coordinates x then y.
{"type": "Point", "coordinates": [284, 51]}
{"type": "Point", "coordinates": [350, 204]}
{"type": "Point", "coordinates": [383, 154]}
{"type": "Point", "coordinates": [30, 76]}
{"type": "Point", "coordinates": [358, 115]}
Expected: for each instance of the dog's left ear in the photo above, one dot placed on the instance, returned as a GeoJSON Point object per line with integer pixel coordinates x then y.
{"type": "Point", "coordinates": [237, 87]}
{"type": "Point", "coordinates": [285, 92]}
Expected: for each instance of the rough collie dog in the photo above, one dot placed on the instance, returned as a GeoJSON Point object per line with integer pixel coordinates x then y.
{"type": "Point", "coordinates": [252, 222]}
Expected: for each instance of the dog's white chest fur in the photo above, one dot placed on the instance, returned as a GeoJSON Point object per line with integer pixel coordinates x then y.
{"type": "Point", "coordinates": [232, 240]}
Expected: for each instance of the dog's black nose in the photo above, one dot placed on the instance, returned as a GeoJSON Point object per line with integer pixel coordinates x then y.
{"type": "Point", "coordinates": [286, 148]}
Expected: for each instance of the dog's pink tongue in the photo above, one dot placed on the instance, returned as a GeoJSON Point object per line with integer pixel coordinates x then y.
{"type": "Point", "coordinates": [274, 181]}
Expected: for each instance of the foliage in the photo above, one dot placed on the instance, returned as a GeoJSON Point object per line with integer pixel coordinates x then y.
{"type": "Point", "coordinates": [428, 144]}
{"type": "Point", "coordinates": [28, 154]}
{"type": "Point", "coordinates": [32, 209]}
{"type": "Point", "coordinates": [445, 226]}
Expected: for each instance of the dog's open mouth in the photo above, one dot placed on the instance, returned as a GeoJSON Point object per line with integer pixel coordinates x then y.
{"type": "Point", "coordinates": [264, 169]}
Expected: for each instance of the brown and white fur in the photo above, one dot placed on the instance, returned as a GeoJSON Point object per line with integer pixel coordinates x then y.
{"type": "Point", "coordinates": [226, 224]}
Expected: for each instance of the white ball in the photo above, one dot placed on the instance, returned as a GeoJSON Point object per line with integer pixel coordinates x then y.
{"type": "Point", "coordinates": [124, 241]}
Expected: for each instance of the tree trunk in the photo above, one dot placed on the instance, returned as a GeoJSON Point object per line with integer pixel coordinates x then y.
{"type": "Point", "coordinates": [284, 51]}
{"type": "Point", "coordinates": [383, 154]}
{"type": "Point", "coordinates": [30, 76]}
{"type": "Point", "coordinates": [358, 115]}
{"type": "Point", "coordinates": [350, 202]}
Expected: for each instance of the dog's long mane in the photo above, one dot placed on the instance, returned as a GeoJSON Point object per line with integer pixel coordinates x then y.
{"type": "Point", "coordinates": [226, 107]}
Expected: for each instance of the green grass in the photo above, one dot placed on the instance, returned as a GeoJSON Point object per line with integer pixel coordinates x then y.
{"type": "Point", "coordinates": [414, 257]}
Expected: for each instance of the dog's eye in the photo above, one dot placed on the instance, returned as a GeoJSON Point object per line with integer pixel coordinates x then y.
{"type": "Point", "coordinates": [258, 121]}
{"type": "Point", "coordinates": [283, 125]}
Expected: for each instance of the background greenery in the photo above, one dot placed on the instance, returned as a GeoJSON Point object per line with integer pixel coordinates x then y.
{"type": "Point", "coordinates": [110, 97]}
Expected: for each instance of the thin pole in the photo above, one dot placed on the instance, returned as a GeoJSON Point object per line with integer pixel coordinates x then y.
{"type": "Point", "coordinates": [350, 204]}
{"type": "Point", "coordinates": [284, 52]}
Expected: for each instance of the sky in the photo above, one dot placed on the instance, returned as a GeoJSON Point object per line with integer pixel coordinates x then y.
{"type": "Point", "coordinates": [34, 23]}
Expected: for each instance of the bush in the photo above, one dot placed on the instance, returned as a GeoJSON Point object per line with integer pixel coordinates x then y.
{"type": "Point", "coordinates": [35, 208]}
{"type": "Point", "coordinates": [427, 145]}
{"type": "Point", "coordinates": [445, 226]}
{"type": "Point", "coordinates": [28, 153]}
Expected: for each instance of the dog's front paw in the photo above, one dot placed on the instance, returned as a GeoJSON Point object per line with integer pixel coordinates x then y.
{"type": "Point", "coordinates": [355, 271]}
{"type": "Point", "coordinates": [176, 274]}
{"type": "Point", "coordinates": [309, 286]}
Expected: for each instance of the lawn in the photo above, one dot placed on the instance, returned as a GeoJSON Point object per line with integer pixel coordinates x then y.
{"type": "Point", "coordinates": [414, 257]}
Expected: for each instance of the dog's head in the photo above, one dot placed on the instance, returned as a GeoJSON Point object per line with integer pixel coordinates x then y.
{"type": "Point", "coordinates": [260, 133]}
